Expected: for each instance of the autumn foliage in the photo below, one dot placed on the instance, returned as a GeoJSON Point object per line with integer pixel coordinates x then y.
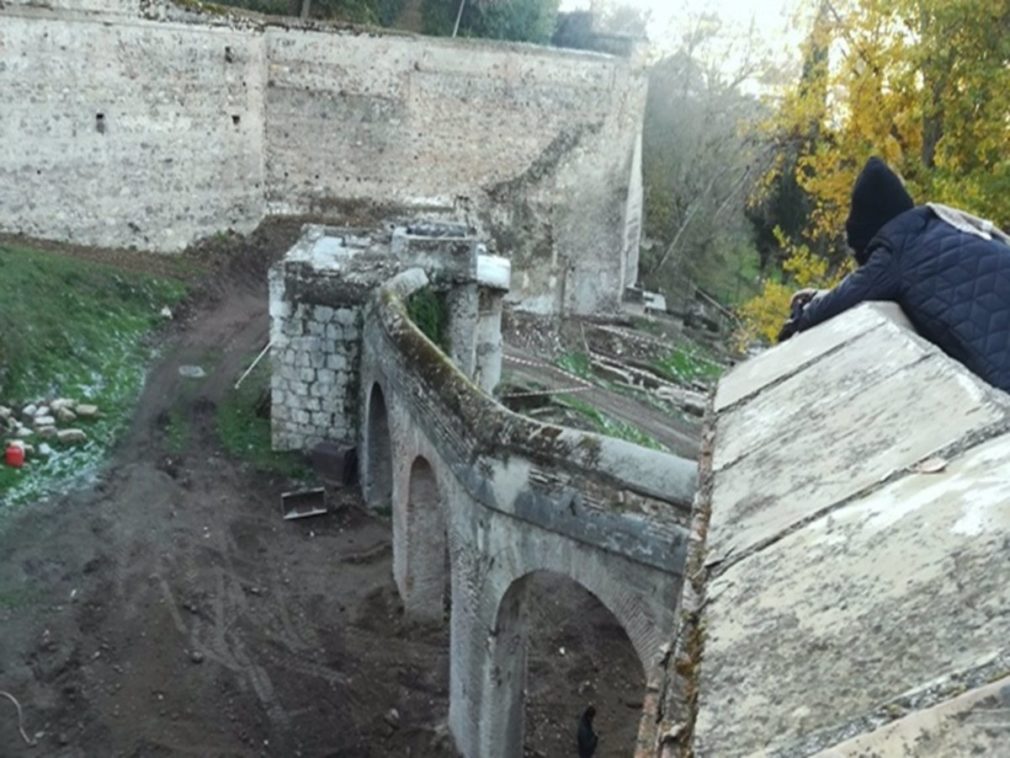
{"type": "Point", "coordinates": [922, 83]}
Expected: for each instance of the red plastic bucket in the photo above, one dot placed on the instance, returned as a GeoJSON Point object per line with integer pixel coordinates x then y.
{"type": "Point", "coordinates": [15, 456]}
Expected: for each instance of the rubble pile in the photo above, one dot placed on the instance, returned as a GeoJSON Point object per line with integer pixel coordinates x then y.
{"type": "Point", "coordinates": [36, 427]}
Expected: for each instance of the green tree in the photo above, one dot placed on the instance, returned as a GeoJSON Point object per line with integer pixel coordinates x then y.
{"type": "Point", "coordinates": [517, 20]}
{"type": "Point", "coordinates": [921, 83]}
{"type": "Point", "coordinates": [701, 158]}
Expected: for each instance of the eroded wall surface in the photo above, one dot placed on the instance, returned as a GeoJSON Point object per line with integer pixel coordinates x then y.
{"type": "Point", "coordinates": [128, 134]}
{"type": "Point", "coordinates": [208, 122]}
{"type": "Point", "coordinates": [854, 594]}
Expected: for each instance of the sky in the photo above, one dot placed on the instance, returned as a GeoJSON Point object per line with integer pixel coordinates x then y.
{"type": "Point", "coordinates": [773, 20]}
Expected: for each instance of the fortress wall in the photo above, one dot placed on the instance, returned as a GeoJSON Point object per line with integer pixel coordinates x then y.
{"type": "Point", "coordinates": [123, 128]}
{"type": "Point", "coordinates": [124, 134]}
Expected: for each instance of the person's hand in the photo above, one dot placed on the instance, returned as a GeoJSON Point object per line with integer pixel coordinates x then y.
{"type": "Point", "coordinates": [788, 330]}
{"type": "Point", "coordinates": [801, 297]}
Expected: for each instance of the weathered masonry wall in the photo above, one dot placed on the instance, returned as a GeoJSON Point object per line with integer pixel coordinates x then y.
{"type": "Point", "coordinates": [152, 128]}
{"type": "Point", "coordinates": [124, 133]}
{"type": "Point", "coordinates": [854, 591]}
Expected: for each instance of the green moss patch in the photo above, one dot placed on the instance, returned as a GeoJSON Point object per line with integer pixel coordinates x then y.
{"type": "Point", "coordinates": [243, 426]}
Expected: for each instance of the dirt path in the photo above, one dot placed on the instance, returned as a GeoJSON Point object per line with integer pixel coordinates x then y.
{"type": "Point", "coordinates": [679, 435]}
{"type": "Point", "coordinates": [168, 610]}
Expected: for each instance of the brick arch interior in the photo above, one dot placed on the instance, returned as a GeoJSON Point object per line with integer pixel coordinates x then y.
{"type": "Point", "coordinates": [378, 484]}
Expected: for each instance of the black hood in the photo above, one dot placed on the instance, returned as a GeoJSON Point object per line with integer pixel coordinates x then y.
{"type": "Point", "coordinates": [877, 197]}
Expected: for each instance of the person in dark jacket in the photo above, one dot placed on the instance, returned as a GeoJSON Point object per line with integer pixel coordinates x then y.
{"type": "Point", "coordinates": [587, 737]}
{"type": "Point", "coordinates": [948, 270]}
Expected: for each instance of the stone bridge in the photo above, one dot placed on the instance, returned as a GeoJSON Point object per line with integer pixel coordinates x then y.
{"type": "Point", "coordinates": [850, 590]}
{"type": "Point", "coordinates": [482, 499]}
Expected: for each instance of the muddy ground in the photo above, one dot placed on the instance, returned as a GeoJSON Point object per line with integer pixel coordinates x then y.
{"type": "Point", "coordinates": [167, 610]}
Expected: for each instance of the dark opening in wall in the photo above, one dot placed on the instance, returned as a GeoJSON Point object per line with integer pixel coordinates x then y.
{"type": "Point", "coordinates": [100, 123]}
{"type": "Point", "coordinates": [229, 56]}
{"type": "Point", "coordinates": [236, 119]}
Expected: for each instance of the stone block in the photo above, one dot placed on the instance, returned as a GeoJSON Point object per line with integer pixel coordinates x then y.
{"type": "Point", "coordinates": [975, 723]}
{"type": "Point", "coordinates": [347, 316]}
{"type": "Point", "coordinates": [754, 375]}
{"type": "Point", "coordinates": [307, 375]}
{"type": "Point", "coordinates": [336, 361]}
{"type": "Point", "coordinates": [886, 596]}
{"type": "Point", "coordinates": [812, 446]}
{"type": "Point", "coordinates": [71, 436]}
{"type": "Point", "coordinates": [324, 314]}
{"type": "Point", "coordinates": [86, 411]}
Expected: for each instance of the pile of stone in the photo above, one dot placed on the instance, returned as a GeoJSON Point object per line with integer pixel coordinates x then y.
{"type": "Point", "coordinates": [36, 426]}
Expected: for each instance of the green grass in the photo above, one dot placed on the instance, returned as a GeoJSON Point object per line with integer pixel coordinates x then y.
{"type": "Point", "coordinates": [22, 597]}
{"type": "Point", "coordinates": [246, 436]}
{"type": "Point", "coordinates": [429, 310]}
{"type": "Point", "coordinates": [74, 329]}
{"type": "Point", "coordinates": [577, 363]}
{"type": "Point", "coordinates": [686, 365]}
{"type": "Point", "coordinates": [608, 426]}
{"type": "Point", "coordinates": [177, 432]}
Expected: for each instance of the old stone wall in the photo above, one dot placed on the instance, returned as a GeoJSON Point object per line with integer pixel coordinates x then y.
{"type": "Point", "coordinates": [852, 592]}
{"type": "Point", "coordinates": [128, 133]}
{"type": "Point", "coordinates": [154, 132]}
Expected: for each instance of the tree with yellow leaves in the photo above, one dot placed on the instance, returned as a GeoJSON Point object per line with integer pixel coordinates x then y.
{"type": "Point", "coordinates": [921, 83]}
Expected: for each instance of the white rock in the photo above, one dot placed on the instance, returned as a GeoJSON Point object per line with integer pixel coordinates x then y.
{"type": "Point", "coordinates": [44, 450]}
{"type": "Point", "coordinates": [29, 411]}
{"type": "Point", "coordinates": [65, 415]}
{"type": "Point", "coordinates": [71, 436]}
{"type": "Point", "coordinates": [166, 312]}
{"type": "Point", "coordinates": [20, 444]}
{"type": "Point", "coordinates": [63, 402]}
{"type": "Point", "coordinates": [87, 411]}
{"type": "Point", "coordinates": [46, 431]}
{"type": "Point", "coordinates": [5, 412]}
{"type": "Point", "coordinates": [42, 411]}
{"type": "Point", "coordinates": [23, 431]}
{"type": "Point", "coordinates": [40, 421]}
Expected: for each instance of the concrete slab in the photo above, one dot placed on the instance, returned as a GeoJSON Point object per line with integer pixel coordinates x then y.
{"type": "Point", "coordinates": [882, 597]}
{"type": "Point", "coordinates": [786, 359]}
{"type": "Point", "coordinates": [814, 394]}
{"type": "Point", "coordinates": [976, 723]}
{"type": "Point", "coordinates": [829, 447]}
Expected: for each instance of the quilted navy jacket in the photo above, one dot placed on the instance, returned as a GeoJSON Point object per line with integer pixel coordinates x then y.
{"type": "Point", "coordinates": [953, 286]}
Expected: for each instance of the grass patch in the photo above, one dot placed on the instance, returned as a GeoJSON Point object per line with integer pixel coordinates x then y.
{"type": "Point", "coordinates": [608, 426]}
{"type": "Point", "coordinates": [245, 434]}
{"type": "Point", "coordinates": [430, 311]}
{"type": "Point", "coordinates": [72, 328]}
{"type": "Point", "coordinates": [686, 365]}
{"type": "Point", "coordinates": [577, 363]}
{"type": "Point", "coordinates": [177, 432]}
{"type": "Point", "coordinates": [12, 600]}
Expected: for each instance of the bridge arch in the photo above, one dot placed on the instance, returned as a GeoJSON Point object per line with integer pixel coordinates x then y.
{"type": "Point", "coordinates": [378, 463]}
{"type": "Point", "coordinates": [420, 557]}
{"type": "Point", "coordinates": [512, 654]}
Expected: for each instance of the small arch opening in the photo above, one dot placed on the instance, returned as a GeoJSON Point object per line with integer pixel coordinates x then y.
{"type": "Point", "coordinates": [379, 451]}
{"type": "Point", "coordinates": [560, 650]}
{"type": "Point", "coordinates": [100, 125]}
{"type": "Point", "coordinates": [427, 570]}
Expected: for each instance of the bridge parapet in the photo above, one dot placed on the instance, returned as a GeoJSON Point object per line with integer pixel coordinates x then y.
{"type": "Point", "coordinates": [614, 494]}
{"type": "Point", "coordinates": [851, 591]}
